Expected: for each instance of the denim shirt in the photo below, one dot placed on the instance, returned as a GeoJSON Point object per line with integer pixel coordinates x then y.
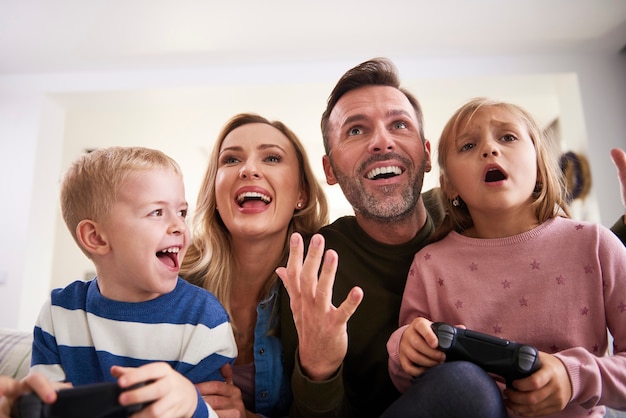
{"type": "Point", "coordinates": [271, 385]}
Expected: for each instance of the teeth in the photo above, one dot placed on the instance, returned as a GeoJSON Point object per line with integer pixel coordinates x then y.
{"type": "Point", "coordinates": [170, 250]}
{"type": "Point", "coordinates": [253, 195]}
{"type": "Point", "coordinates": [384, 170]}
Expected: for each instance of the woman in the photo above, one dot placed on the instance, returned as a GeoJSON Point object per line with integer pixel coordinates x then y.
{"type": "Point", "coordinates": [257, 190]}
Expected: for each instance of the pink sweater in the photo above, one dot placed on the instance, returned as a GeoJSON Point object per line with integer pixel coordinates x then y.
{"type": "Point", "coordinates": [557, 287]}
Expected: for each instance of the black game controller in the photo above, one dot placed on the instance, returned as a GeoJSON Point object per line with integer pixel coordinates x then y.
{"type": "Point", "coordinates": [498, 356]}
{"type": "Point", "coordinates": [98, 400]}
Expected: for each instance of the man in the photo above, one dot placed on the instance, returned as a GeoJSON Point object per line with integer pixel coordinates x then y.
{"type": "Point", "coordinates": [377, 153]}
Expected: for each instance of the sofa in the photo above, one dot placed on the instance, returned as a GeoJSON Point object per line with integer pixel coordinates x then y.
{"type": "Point", "coordinates": [15, 350]}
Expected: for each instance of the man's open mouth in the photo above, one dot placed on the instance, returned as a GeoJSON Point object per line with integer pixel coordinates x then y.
{"type": "Point", "coordinates": [383, 173]}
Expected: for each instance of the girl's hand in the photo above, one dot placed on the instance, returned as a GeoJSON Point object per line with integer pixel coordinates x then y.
{"type": "Point", "coordinates": [545, 392]}
{"type": "Point", "coordinates": [418, 347]}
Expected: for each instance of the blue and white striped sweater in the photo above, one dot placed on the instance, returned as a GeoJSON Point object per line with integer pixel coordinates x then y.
{"type": "Point", "coordinates": [80, 334]}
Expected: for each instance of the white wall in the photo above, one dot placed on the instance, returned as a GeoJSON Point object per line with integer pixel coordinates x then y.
{"type": "Point", "coordinates": [44, 121]}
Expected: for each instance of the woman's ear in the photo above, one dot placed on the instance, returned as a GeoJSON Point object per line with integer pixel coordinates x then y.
{"type": "Point", "coordinates": [90, 237]}
{"type": "Point", "coordinates": [303, 198]}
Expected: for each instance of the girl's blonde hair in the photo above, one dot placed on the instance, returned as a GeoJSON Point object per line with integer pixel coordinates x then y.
{"type": "Point", "coordinates": [210, 262]}
{"type": "Point", "coordinates": [90, 186]}
{"type": "Point", "coordinates": [548, 198]}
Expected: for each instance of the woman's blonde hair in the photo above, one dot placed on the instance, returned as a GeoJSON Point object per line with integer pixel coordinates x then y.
{"type": "Point", "coordinates": [549, 197]}
{"type": "Point", "coordinates": [210, 262]}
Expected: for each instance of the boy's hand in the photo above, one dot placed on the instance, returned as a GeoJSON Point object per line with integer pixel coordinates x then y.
{"type": "Point", "coordinates": [418, 347]}
{"type": "Point", "coordinates": [545, 392]}
{"type": "Point", "coordinates": [11, 389]}
{"type": "Point", "coordinates": [172, 394]}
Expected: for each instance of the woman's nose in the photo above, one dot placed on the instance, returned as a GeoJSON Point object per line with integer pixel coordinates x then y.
{"type": "Point", "coordinates": [249, 171]}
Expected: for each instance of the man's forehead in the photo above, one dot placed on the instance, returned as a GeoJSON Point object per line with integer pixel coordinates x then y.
{"type": "Point", "coordinates": [369, 101]}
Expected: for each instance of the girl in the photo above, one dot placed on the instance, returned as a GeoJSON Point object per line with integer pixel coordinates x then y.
{"type": "Point", "coordinates": [510, 263]}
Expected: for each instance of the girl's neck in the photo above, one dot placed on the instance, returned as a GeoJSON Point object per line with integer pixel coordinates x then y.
{"type": "Point", "coordinates": [501, 225]}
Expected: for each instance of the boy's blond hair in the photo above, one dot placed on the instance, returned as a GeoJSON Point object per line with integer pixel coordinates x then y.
{"type": "Point", "coordinates": [91, 184]}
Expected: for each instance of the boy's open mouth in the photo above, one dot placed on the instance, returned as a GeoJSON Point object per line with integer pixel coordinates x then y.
{"type": "Point", "coordinates": [169, 256]}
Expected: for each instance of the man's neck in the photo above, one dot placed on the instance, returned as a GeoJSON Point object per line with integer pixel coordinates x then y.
{"type": "Point", "coordinates": [394, 232]}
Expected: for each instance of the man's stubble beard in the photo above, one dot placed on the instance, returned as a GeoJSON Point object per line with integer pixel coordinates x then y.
{"type": "Point", "coordinates": [386, 206]}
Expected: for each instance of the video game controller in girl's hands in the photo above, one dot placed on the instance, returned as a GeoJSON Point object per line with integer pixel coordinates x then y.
{"type": "Point", "coordinates": [508, 359]}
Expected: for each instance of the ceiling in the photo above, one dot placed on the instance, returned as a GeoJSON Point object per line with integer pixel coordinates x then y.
{"type": "Point", "coordinates": [48, 36]}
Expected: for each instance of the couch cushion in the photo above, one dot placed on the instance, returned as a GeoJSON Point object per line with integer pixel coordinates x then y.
{"type": "Point", "coordinates": [15, 351]}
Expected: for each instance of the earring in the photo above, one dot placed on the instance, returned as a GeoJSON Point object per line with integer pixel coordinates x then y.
{"type": "Point", "coordinates": [455, 202]}
{"type": "Point", "coordinates": [299, 205]}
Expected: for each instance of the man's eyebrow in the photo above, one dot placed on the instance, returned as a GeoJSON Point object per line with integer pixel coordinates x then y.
{"type": "Point", "coordinates": [389, 114]}
{"type": "Point", "coordinates": [399, 112]}
{"type": "Point", "coordinates": [354, 118]}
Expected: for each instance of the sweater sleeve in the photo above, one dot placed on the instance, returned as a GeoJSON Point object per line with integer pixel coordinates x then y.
{"type": "Point", "coordinates": [399, 377]}
{"type": "Point", "coordinates": [602, 380]}
{"type": "Point", "coordinates": [318, 399]}
{"type": "Point", "coordinates": [45, 356]}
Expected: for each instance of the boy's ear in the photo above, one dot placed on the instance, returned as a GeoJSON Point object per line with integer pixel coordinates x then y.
{"type": "Point", "coordinates": [91, 238]}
